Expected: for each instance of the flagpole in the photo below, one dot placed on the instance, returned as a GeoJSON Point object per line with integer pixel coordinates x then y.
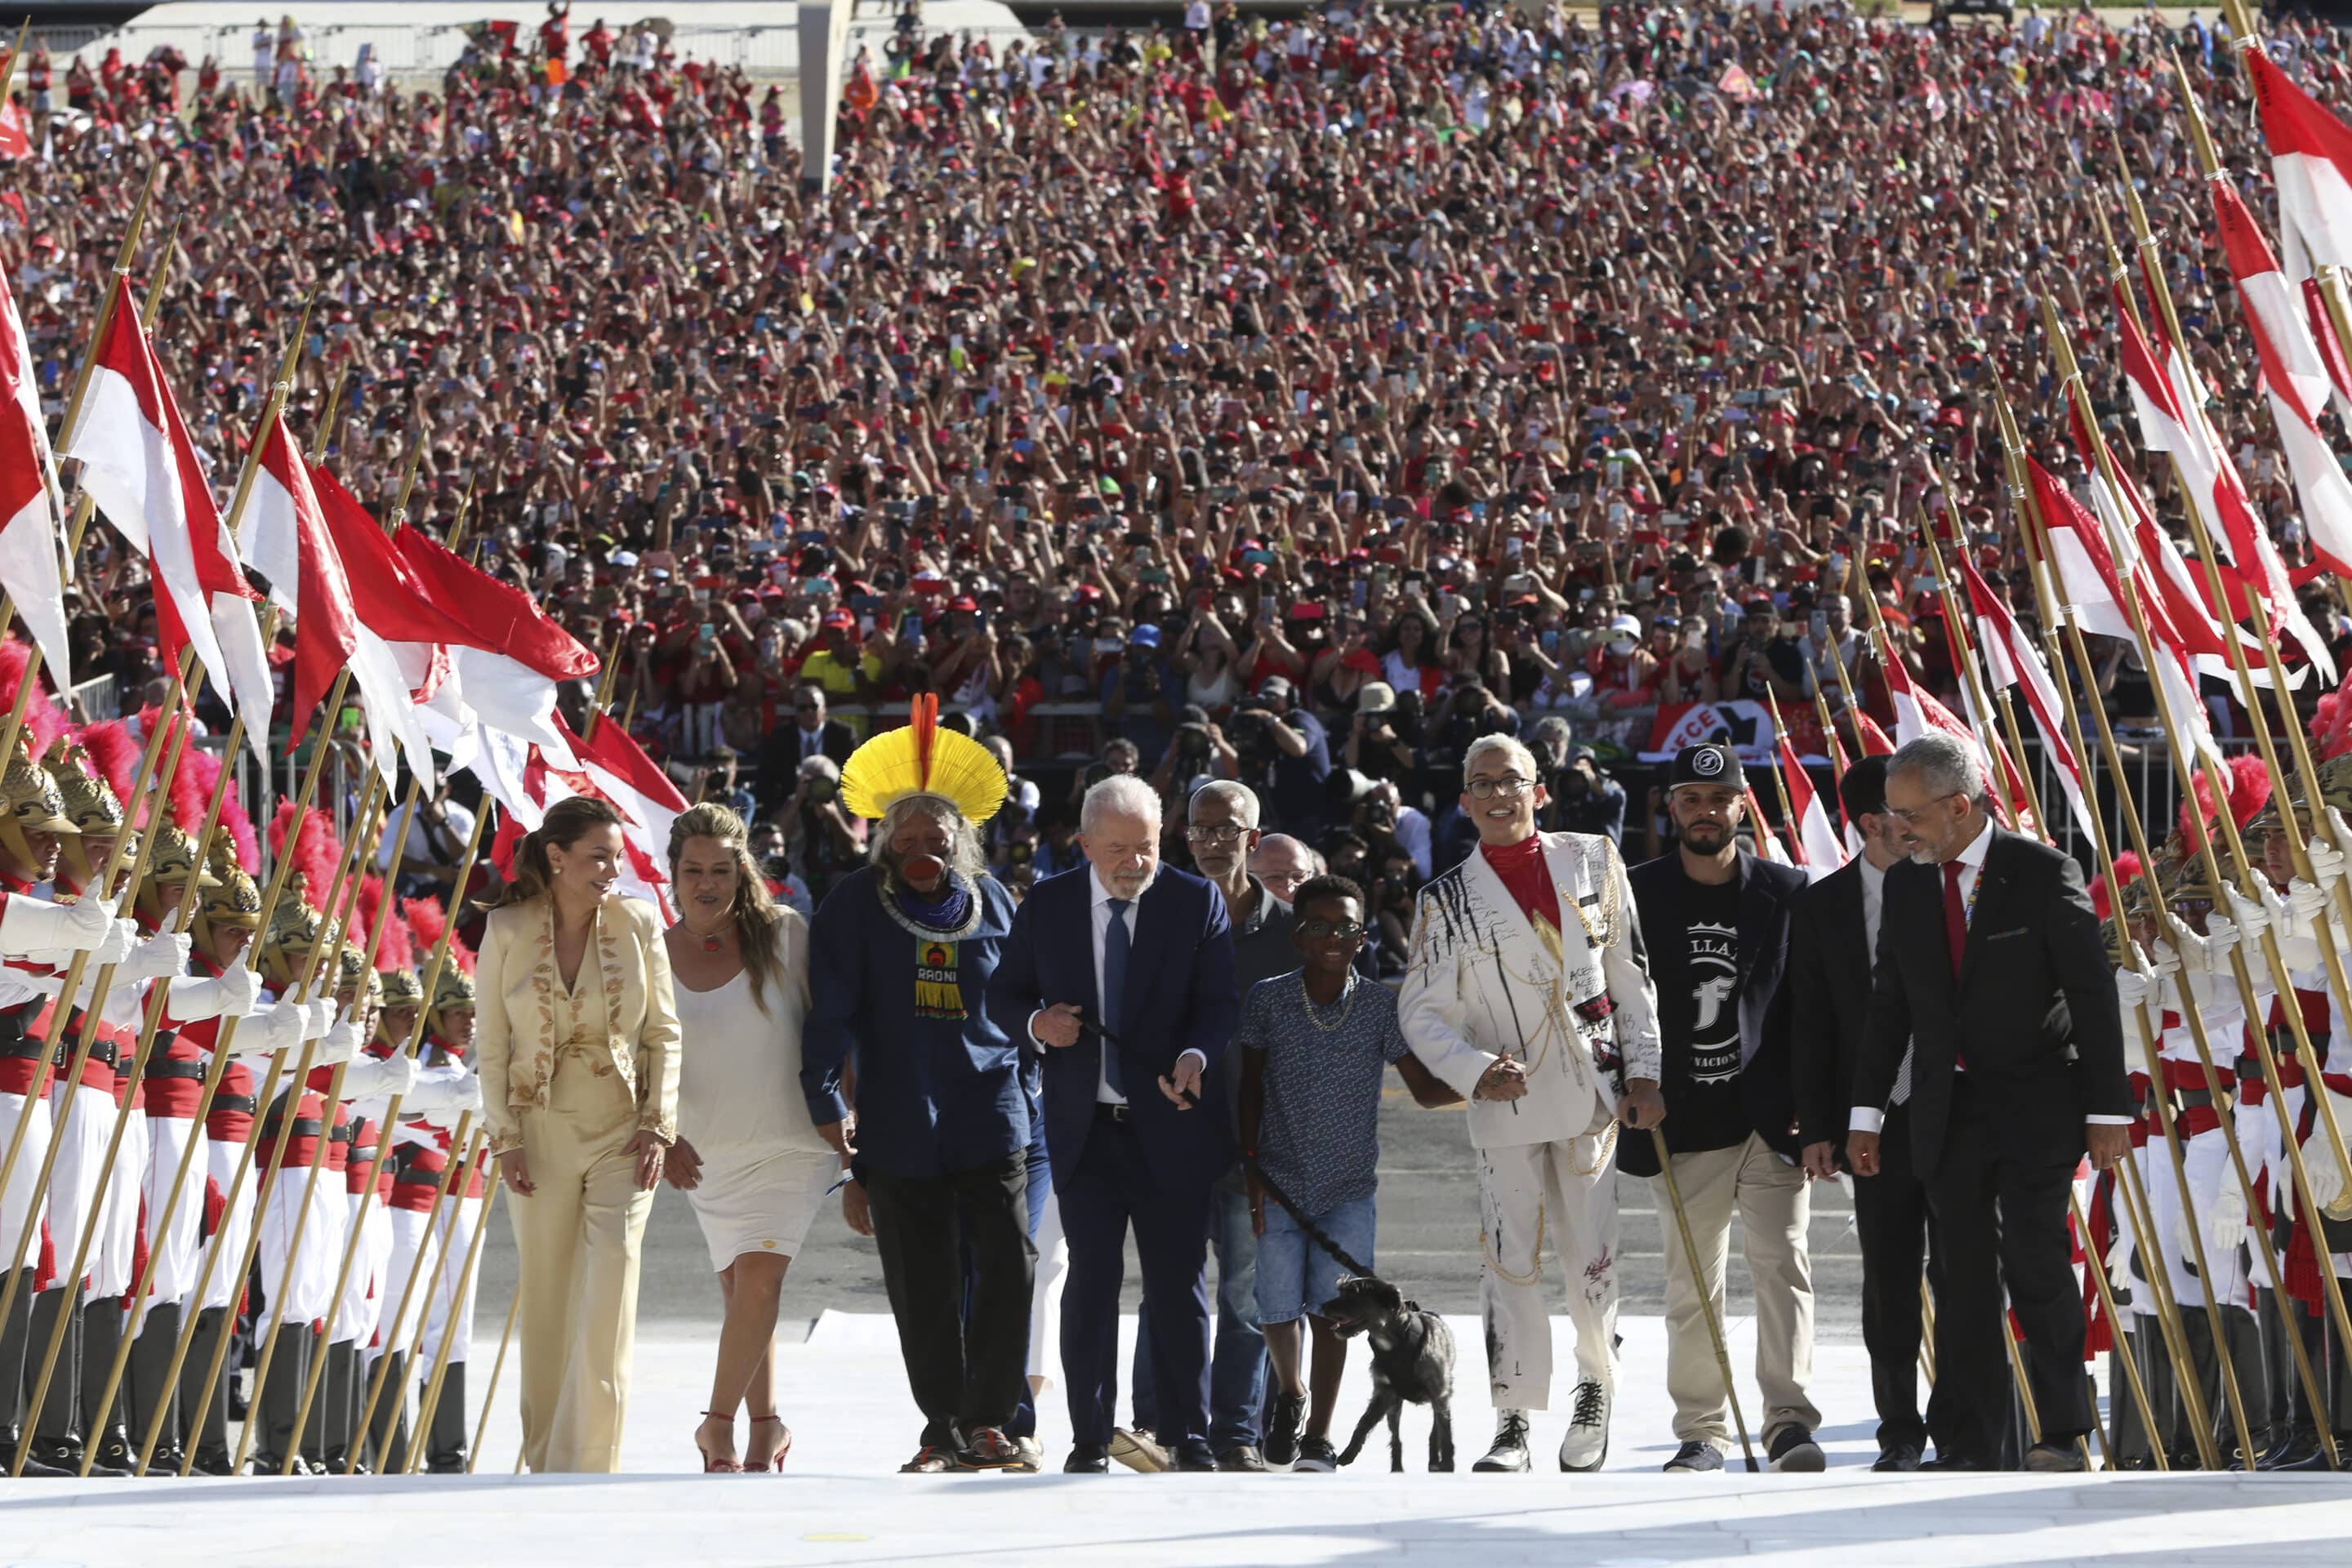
{"type": "Point", "coordinates": [1828, 731]}
{"type": "Point", "coordinates": [458, 1303]}
{"type": "Point", "coordinates": [83, 504]}
{"type": "Point", "coordinates": [2026, 509]}
{"type": "Point", "coordinates": [451, 1170]}
{"type": "Point", "coordinates": [326, 960]}
{"type": "Point", "coordinates": [1780, 785]}
{"type": "Point", "coordinates": [324, 435]}
{"type": "Point", "coordinates": [414, 1048]}
{"type": "Point", "coordinates": [1970, 653]}
{"type": "Point", "coordinates": [490, 1394]}
{"type": "Point", "coordinates": [383, 1147]}
{"type": "Point", "coordinates": [398, 520]}
{"type": "Point", "coordinates": [2071, 386]}
{"type": "Point", "coordinates": [2246, 887]}
{"type": "Point", "coordinates": [2339, 986]}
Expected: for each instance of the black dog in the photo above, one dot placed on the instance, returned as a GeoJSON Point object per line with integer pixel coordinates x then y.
{"type": "Point", "coordinates": [1413, 1360]}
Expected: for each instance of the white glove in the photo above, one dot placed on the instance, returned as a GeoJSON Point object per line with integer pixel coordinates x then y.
{"type": "Point", "coordinates": [2119, 1274]}
{"type": "Point", "coordinates": [283, 1026]}
{"type": "Point", "coordinates": [340, 1044]}
{"type": "Point", "coordinates": [2229, 1218]}
{"type": "Point", "coordinates": [2165, 961]}
{"type": "Point", "coordinates": [29, 925]}
{"type": "Point", "coordinates": [318, 1018]}
{"type": "Point", "coordinates": [397, 1074]}
{"type": "Point", "coordinates": [469, 1095]}
{"type": "Point", "coordinates": [2220, 941]}
{"type": "Point", "coordinates": [2306, 902]}
{"type": "Point", "coordinates": [232, 996]}
{"type": "Point", "coordinates": [447, 1088]}
{"type": "Point", "coordinates": [2326, 865]}
{"type": "Point", "coordinates": [122, 938]}
{"type": "Point", "coordinates": [2253, 915]}
{"type": "Point", "coordinates": [2319, 1164]}
{"type": "Point", "coordinates": [162, 956]}
{"type": "Point", "coordinates": [2339, 829]}
{"type": "Point", "coordinates": [2133, 989]}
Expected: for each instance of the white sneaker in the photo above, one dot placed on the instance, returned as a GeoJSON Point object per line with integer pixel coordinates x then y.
{"type": "Point", "coordinates": [1586, 1443]}
{"type": "Point", "coordinates": [1511, 1450]}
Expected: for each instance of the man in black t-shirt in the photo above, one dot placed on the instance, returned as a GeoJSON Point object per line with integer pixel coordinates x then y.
{"type": "Point", "coordinates": [1715, 922]}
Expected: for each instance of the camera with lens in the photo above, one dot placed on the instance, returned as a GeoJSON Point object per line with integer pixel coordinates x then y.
{"type": "Point", "coordinates": [776, 869]}
{"type": "Point", "coordinates": [823, 791]}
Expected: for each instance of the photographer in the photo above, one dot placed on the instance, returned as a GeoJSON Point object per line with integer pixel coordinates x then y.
{"type": "Point", "coordinates": [1282, 752]}
{"type": "Point", "coordinates": [1586, 800]}
{"type": "Point", "coordinates": [1386, 823]}
{"type": "Point", "coordinates": [1140, 696]}
{"type": "Point", "coordinates": [822, 841]}
{"type": "Point", "coordinates": [1374, 747]}
{"type": "Point", "coordinates": [1197, 750]}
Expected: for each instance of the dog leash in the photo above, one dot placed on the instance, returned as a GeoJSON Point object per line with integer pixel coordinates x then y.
{"type": "Point", "coordinates": [1273, 1188]}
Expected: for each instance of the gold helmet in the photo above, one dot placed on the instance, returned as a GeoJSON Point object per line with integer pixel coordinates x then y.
{"type": "Point", "coordinates": [402, 988]}
{"type": "Point", "coordinates": [228, 896]}
{"type": "Point", "coordinates": [89, 805]}
{"type": "Point", "coordinates": [2336, 782]}
{"type": "Point", "coordinates": [453, 991]}
{"type": "Point", "coordinates": [30, 802]}
{"type": "Point", "coordinates": [292, 940]}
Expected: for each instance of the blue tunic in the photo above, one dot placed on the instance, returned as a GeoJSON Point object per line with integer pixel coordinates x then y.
{"type": "Point", "coordinates": [934, 1094]}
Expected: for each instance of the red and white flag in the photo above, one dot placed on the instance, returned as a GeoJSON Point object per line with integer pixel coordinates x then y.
{"type": "Point", "coordinates": [2013, 661]}
{"type": "Point", "coordinates": [2311, 159]}
{"type": "Point", "coordinates": [2294, 376]}
{"type": "Point", "coordinates": [287, 538]}
{"type": "Point", "coordinates": [507, 670]}
{"type": "Point", "coordinates": [1769, 843]}
{"type": "Point", "coordinates": [32, 511]}
{"type": "Point", "coordinates": [140, 468]}
{"type": "Point", "coordinates": [519, 776]}
{"type": "Point", "coordinates": [1815, 836]}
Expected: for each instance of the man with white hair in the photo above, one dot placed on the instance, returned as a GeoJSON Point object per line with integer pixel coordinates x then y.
{"type": "Point", "coordinates": [1528, 993]}
{"type": "Point", "coordinates": [1122, 975]}
{"type": "Point", "coordinates": [1993, 1002]}
{"type": "Point", "coordinates": [1281, 863]}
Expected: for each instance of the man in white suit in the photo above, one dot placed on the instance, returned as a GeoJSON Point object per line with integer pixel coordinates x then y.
{"type": "Point", "coordinates": [1528, 993]}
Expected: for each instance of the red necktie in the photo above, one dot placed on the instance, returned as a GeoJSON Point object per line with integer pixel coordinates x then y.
{"type": "Point", "coordinates": [1955, 916]}
{"type": "Point", "coordinates": [1955, 936]}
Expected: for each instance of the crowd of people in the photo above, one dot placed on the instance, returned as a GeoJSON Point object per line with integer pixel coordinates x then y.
{"type": "Point", "coordinates": [1245, 433]}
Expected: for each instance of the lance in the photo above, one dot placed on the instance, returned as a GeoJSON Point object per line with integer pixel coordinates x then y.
{"type": "Point", "coordinates": [323, 435]}
{"type": "Point", "coordinates": [224, 1041]}
{"type": "Point", "coordinates": [458, 1303]}
{"type": "Point", "coordinates": [167, 725]}
{"type": "Point", "coordinates": [2159, 1089]}
{"type": "Point", "coordinates": [99, 888]}
{"type": "Point", "coordinates": [1969, 654]}
{"type": "Point", "coordinates": [490, 1394]}
{"type": "Point", "coordinates": [367, 825]}
{"type": "Point", "coordinates": [2170, 1327]}
{"type": "Point", "coordinates": [2331, 958]}
{"type": "Point", "coordinates": [83, 505]}
{"type": "Point", "coordinates": [2282, 982]}
{"type": "Point", "coordinates": [2096, 1268]}
{"type": "Point", "coordinates": [450, 1172]}
{"type": "Point", "coordinates": [1829, 734]}
{"type": "Point", "coordinates": [391, 1118]}
{"type": "Point", "coordinates": [160, 1221]}
{"type": "Point", "coordinates": [399, 518]}
{"type": "Point", "coordinates": [1796, 830]}
{"type": "Point", "coordinates": [325, 962]}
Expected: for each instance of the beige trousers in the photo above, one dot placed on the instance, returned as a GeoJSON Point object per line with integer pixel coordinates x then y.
{"type": "Point", "coordinates": [1774, 1209]}
{"type": "Point", "coordinates": [578, 1235]}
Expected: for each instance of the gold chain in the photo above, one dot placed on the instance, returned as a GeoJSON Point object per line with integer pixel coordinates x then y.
{"type": "Point", "coordinates": [1534, 1274]}
{"type": "Point", "coordinates": [1347, 1003]}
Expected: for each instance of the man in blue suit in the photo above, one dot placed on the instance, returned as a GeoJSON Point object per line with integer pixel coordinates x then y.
{"type": "Point", "coordinates": [1121, 974]}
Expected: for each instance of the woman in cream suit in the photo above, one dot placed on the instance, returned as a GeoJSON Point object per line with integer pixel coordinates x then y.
{"type": "Point", "coordinates": [748, 1155]}
{"type": "Point", "coordinates": [579, 1049]}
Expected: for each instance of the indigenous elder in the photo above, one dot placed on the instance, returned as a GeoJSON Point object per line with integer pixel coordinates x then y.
{"type": "Point", "coordinates": [936, 1127]}
{"type": "Point", "coordinates": [747, 1155]}
{"type": "Point", "coordinates": [579, 1052]}
{"type": "Point", "coordinates": [1527, 994]}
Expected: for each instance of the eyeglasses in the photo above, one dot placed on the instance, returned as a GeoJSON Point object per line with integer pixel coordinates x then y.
{"type": "Point", "coordinates": [806, 708]}
{"type": "Point", "coordinates": [1218, 833]}
{"type": "Point", "coordinates": [1508, 787]}
{"type": "Point", "coordinates": [1911, 817]}
{"type": "Point", "coordinates": [1323, 930]}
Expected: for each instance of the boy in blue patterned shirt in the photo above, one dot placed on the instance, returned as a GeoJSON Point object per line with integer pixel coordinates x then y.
{"type": "Point", "coordinates": [1316, 1042]}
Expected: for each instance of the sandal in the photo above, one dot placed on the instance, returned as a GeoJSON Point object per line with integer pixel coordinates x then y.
{"type": "Point", "coordinates": [711, 1466]}
{"type": "Point", "coordinates": [777, 1461]}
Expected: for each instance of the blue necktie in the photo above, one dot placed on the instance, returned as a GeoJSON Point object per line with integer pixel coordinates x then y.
{"type": "Point", "coordinates": [1114, 991]}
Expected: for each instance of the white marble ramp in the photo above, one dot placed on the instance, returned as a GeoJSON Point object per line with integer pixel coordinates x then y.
{"type": "Point", "coordinates": [839, 1503]}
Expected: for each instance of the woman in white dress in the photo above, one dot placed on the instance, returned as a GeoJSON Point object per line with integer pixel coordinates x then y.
{"type": "Point", "coordinates": [746, 1155]}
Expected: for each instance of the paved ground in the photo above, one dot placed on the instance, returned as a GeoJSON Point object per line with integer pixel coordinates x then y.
{"type": "Point", "coordinates": [1428, 1243]}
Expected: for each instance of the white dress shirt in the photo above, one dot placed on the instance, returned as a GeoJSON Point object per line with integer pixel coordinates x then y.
{"type": "Point", "coordinates": [1100, 914]}
{"type": "Point", "coordinates": [1970, 859]}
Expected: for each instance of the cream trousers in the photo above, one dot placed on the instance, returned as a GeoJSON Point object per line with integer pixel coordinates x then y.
{"type": "Point", "coordinates": [1774, 1208]}
{"type": "Point", "coordinates": [578, 1237]}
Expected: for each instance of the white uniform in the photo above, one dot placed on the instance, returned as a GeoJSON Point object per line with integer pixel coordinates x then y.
{"type": "Point", "coordinates": [1483, 982]}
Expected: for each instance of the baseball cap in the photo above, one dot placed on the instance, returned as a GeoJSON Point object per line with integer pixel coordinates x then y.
{"type": "Point", "coordinates": [1709, 763]}
{"type": "Point", "coordinates": [1144, 635]}
{"type": "Point", "coordinates": [1375, 697]}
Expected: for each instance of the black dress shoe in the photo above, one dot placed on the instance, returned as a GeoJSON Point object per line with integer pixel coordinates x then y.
{"type": "Point", "coordinates": [1243, 1458]}
{"type": "Point", "coordinates": [1953, 1462]}
{"type": "Point", "coordinates": [208, 1462]}
{"type": "Point", "coordinates": [2316, 1458]}
{"type": "Point", "coordinates": [2293, 1452]}
{"type": "Point", "coordinates": [33, 1468]}
{"type": "Point", "coordinates": [1195, 1457]}
{"type": "Point", "coordinates": [2051, 1458]}
{"type": "Point", "coordinates": [166, 1462]}
{"type": "Point", "coordinates": [1087, 1459]}
{"type": "Point", "coordinates": [1896, 1457]}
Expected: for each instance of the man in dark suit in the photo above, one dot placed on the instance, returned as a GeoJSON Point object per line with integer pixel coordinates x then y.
{"type": "Point", "coordinates": [1715, 922]}
{"type": "Point", "coordinates": [1135, 1126]}
{"type": "Point", "coordinates": [1832, 940]}
{"type": "Point", "coordinates": [1993, 979]}
{"type": "Point", "coordinates": [810, 734]}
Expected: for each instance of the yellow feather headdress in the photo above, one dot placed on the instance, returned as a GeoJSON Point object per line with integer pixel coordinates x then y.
{"type": "Point", "coordinates": [923, 759]}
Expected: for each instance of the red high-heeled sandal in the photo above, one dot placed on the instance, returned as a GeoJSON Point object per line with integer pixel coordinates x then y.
{"type": "Point", "coordinates": [777, 1463]}
{"type": "Point", "coordinates": [711, 1466]}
